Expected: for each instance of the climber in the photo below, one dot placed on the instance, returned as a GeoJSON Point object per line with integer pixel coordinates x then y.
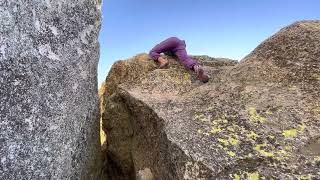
{"type": "Point", "coordinates": [177, 47]}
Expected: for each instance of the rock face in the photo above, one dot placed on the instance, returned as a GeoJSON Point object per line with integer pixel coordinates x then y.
{"type": "Point", "coordinates": [259, 118]}
{"type": "Point", "coordinates": [48, 94]}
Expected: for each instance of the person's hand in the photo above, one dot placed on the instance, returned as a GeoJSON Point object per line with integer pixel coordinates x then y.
{"type": "Point", "coordinates": [163, 62]}
{"type": "Point", "coordinates": [162, 59]}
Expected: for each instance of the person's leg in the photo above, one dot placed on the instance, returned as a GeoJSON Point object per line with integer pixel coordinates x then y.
{"type": "Point", "coordinates": [190, 63]}
{"type": "Point", "coordinates": [181, 52]}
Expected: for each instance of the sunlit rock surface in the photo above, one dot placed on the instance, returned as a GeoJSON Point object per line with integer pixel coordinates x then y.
{"type": "Point", "coordinates": [256, 119]}
{"type": "Point", "coordinates": [48, 93]}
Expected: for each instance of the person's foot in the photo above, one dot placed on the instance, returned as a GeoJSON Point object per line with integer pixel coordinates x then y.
{"type": "Point", "coordinates": [201, 74]}
{"type": "Point", "coordinates": [163, 63]}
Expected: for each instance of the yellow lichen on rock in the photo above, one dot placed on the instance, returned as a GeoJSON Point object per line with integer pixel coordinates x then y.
{"type": "Point", "coordinates": [263, 152]}
{"type": "Point", "coordinates": [292, 88]}
{"type": "Point", "coordinates": [231, 153]}
{"type": "Point", "coordinates": [223, 141]}
{"type": "Point", "coordinates": [253, 176]}
{"type": "Point", "coordinates": [316, 76]}
{"type": "Point", "coordinates": [236, 177]}
{"type": "Point", "coordinates": [186, 76]}
{"type": "Point", "coordinates": [289, 133]}
{"type": "Point", "coordinates": [230, 128]}
{"type": "Point", "coordinates": [316, 160]}
{"type": "Point", "coordinates": [305, 177]}
{"type": "Point", "coordinates": [254, 116]}
{"type": "Point", "coordinates": [215, 130]}
{"type": "Point", "coordinates": [230, 141]}
{"type": "Point", "coordinates": [233, 141]}
{"type": "Point", "coordinates": [201, 117]}
{"type": "Point", "coordinates": [252, 136]}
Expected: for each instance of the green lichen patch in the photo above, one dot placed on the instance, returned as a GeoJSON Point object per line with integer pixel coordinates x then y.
{"type": "Point", "coordinates": [231, 153]}
{"type": "Point", "coordinates": [245, 140]}
{"type": "Point", "coordinates": [289, 133]}
{"type": "Point", "coordinates": [186, 76]}
{"type": "Point", "coordinates": [254, 116]}
{"type": "Point", "coordinates": [316, 77]}
{"type": "Point", "coordinates": [252, 136]}
{"type": "Point", "coordinates": [229, 141]}
{"type": "Point", "coordinates": [233, 141]}
{"type": "Point", "coordinates": [236, 177]}
{"type": "Point", "coordinates": [215, 130]}
{"type": "Point", "coordinates": [262, 152]}
{"type": "Point", "coordinates": [305, 177]}
{"type": "Point", "coordinates": [224, 142]}
{"type": "Point", "coordinates": [253, 176]}
{"type": "Point", "coordinates": [316, 160]}
{"type": "Point", "coordinates": [292, 88]}
{"type": "Point", "coordinates": [201, 117]}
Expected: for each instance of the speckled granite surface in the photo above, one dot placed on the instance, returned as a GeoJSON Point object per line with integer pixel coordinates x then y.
{"type": "Point", "coordinates": [48, 89]}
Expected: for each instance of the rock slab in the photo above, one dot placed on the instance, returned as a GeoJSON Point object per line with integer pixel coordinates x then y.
{"type": "Point", "coordinates": [256, 119]}
{"type": "Point", "coordinates": [48, 94]}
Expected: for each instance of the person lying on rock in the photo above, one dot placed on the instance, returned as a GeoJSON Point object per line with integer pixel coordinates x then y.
{"type": "Point", "coordinates": [177, 47]}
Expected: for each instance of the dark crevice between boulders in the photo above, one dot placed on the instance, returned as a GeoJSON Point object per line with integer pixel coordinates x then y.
{"type": "Point", "coordinates": [117, 158]}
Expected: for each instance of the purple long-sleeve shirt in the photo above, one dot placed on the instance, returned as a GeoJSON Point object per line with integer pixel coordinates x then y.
{"type": "Point", "coordinates": [176, 46]}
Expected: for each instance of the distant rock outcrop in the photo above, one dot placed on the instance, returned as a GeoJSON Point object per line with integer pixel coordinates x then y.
{"type": "Point", "coordinates": [258, 118]}
{"type": "Point", "coordinates": [49, 126]}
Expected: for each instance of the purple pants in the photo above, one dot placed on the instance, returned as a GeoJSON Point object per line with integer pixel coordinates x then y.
{"type": "Point", "coordinates": [176, 46]}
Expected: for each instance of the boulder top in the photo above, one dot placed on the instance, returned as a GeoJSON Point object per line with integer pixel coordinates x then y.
{"type": "Point", "coordinates": [258, 117]}
{"type": "Point", "coordinates": [289, 56]}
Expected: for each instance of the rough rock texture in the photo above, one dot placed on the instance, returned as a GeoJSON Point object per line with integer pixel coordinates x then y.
{"type": "Point", "coordinates": [48, 93]}
{"type": "Point", "coordinates": [256, 119]}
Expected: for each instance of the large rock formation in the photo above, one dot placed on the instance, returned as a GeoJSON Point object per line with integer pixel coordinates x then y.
{"type": "Point", "coordinates": [48, 93]}
{"type": "Point", "coordinates": [258, 118]}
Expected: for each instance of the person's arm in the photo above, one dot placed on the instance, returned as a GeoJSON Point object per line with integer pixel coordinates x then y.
{"type": "Point", "coordinates": [153, 54]}
{"type": "Point", "coordinates": [156, 51]}
{"type": "Point", "coordinates": [156, 56]}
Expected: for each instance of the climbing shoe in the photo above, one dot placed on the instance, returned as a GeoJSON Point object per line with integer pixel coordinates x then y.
{"type": "Point", "coordinates": [201, 74]}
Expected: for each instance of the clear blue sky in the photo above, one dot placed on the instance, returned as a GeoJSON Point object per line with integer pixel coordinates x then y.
{"type": "Point", "coordinates": [218, 28]}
